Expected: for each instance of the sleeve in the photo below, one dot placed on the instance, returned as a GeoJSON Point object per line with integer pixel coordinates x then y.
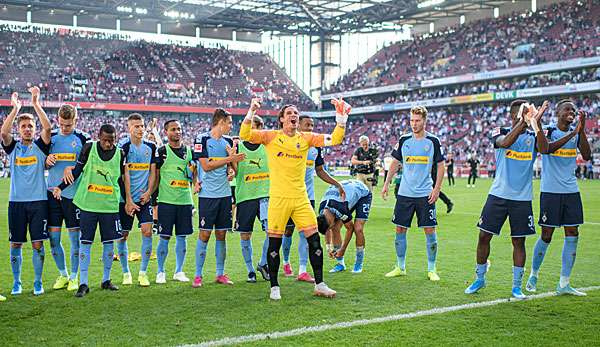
{"type": "Point", "coordinates": [11, 146]}
{"type": "Point", "coordinates": [160, 156]}
{"type": "Point", "coordinates": [397, 152]}
{"type": "Point", "coordinates": [85, 153]}
{"type": "Point", "coordinates": [356, 152]}
{"type": "Point", "coordinates": [123, 160]}
{"type": "Point", "coordinates": [438, 155]}
{"type": "Point", "coordinates": [548, 132]}
{"type": "Point", "coordinates": [81, 161]}
{"type": "Point", "coordinates": [319, 161]}
{"type": "Point", "coordinates": [200, 148]}
{"type": "Point", "coordinates": [326, 140]}
{"type": "Point", "coordinates": [83, 137]}
{"type": "Point", "coordinates": [44, 147]}
{"type": "Point", "coordinates": [153, 158]}
{"type": "Point", "coordinates": [256, 136]}
{"type": "Point", "coordinates": [497, 132]}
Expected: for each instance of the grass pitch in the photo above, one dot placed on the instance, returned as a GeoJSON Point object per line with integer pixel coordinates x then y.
{"type": "Point", "coordinates": [175, 313]}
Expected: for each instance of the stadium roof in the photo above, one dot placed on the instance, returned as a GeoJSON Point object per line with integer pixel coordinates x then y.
{"type": "Point", "coordinates": [286, 16]}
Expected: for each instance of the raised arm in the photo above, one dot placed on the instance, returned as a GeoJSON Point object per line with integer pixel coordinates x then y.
{"type": "Point", "coordinates": [252, 135]}
{"type": "Point", "coordinates": [536, 124]}
{"type": "Point", "coordinates": [583, 144]}
{"type": "Point", "coordinates": [44, 120]}
{"type": "Point", "coordinates": [7, 137]}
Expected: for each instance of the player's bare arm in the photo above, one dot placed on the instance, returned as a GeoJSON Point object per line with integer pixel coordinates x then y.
{"type": "Point", "coordinates": [584, 144]}
{"type": "Point", "coordinates": [10, 119]}
{"type": "Point", "coordinates": [391, 173]}
{"type": "Point", "coordinates": [44, 120]}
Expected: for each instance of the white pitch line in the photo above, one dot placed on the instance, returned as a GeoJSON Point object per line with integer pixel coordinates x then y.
{"type": "Point", "coordinates": [362, 322]}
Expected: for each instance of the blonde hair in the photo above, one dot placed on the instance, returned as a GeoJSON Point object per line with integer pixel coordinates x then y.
{"type": "Point", "coordinates": [422, 110]}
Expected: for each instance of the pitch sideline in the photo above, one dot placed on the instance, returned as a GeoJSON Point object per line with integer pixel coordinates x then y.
{"type": "Point", "coordinates": [362, 322]}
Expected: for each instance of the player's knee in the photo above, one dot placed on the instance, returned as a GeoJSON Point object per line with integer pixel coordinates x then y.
{"type": "Point", "coordinates": [518, 242]}
{"type": "Point", "coordinates": [37, 245]}
{"type": "Point", "coordinates": [16, 245]}
{"type": "Point", "coordinates": [547, 234]}
{"type": "Point", "coordinates": [400, 230]}
{"type": "Point", "coordinates": [289, 231]}
{"type": "Point", "coordinates": [485, 237]}
{"type": "Point", "coordinates": [220, 235]}
{"type": "Point", "coordinates": [204, 236]}
{"type": "Point", "coordinates": [245, 236]}
{"type": "Point", "coordinates": [125, 236]}
{"type": "Point", "coordinates": [147, 232]}
{"type": "Point", "coordinates": [314, 242]}
{"type": "Point", "coordinates": [163, 237]}
{"type": "Point", "coordinates": [429, 230]}
{"type": "Point", "coordinates": [571, 231]}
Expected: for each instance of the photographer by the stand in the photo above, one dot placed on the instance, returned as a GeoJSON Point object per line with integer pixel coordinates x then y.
{"type": "Point", "coordinates": [365, 161]}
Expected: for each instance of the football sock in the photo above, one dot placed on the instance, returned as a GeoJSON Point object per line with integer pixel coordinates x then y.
{"type": "Point", "coordinates": [146, 252]}
{"type": "Point", "coordinates": [16, 263]}
{"type": "Point", "coordinates": [273, 259]}
{"type": "Point", "coordinates": [162, 250]}
{"type": "Point", "coordinates": [74, 251]}
{"type": "Point", "coordinates": [247, 254]}
{"type": "Point", "coordinates": [286, 245]}
{"type": "Point", "coordinates": [315, 253]}
{"type": "Point", "coordinates": [123, 255]}
{"type": "Point", "coordinates": [569, 254]}
{"type": "Point", "coordinates": [58, 253]}
{"type": "Point", "coordinates": [180, 249]}
{"type": "Point", "coordinates": [401, 250]}
{"type": "Point", "coordinates": [220, 254]}
{"type": "Point", "coordinates": [539, 252]}
{"type": "Point", "coordinates": [432, 247]}
{"type": "Point", "coordinates": [200, 256]}
{"type": "Point", "coordinates": [85, 250]}
{"type": "Point", "coordinates": [108, 253]}
{"type": "Point", "coordinates": [38, 263]}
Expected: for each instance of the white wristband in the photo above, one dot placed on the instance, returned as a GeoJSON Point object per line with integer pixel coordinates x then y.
{"type": "Point", "coordinates": [249, 115]}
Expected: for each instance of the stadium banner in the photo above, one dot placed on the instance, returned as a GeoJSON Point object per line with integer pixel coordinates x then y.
{"type": "Point", "coordinates": [470, 99]}
{"type": "Point", "coordinates": [473, 77]}
{"type": "Point", "coordinates": [140, 107]}
{"type": "Point", "coordinates": [516, 71]}
{"type": "Point", "coordinates": [367, 91]}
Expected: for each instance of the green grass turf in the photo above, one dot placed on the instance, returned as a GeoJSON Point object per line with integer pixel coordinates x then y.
{"type": "Point", "coordinates": [175, 313]}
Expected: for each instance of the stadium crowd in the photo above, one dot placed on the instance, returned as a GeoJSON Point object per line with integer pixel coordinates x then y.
{"type": "Point", "coordinates": [82, 66]}
{"type": "Point", "coordinates": [560, 31]}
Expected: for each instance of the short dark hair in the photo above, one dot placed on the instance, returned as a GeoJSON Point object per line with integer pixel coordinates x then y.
{"type": "Point", "coordinates": [25, 116]}
{"type": "Point", "coordinates": [166, 124]}
{"type": "Point", "coordinates": [304, 117]}
{"type": "Point", "coordinates": [135, 116]}
{"type": "Point", "coordinates": [107, 129]}
{"type": "Point", "coordinates": [515, 105]}
{"type": "Point", "coordinates": [322, 224]}
{"type": "Point", "coordinates": [563, 102]}
{"type": "Point", "coordinates": [219, 115]}
{"type": "Point", "coordinates": [67, 111]}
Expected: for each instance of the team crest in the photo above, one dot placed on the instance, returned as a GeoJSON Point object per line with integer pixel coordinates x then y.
{"type": "Point", "coordinates": [298, 145]}
{"type": "Point", "coordinates": [147, 153]}
{"type": "Point", "coordinates": [73, 144]}
{"type": "Point", "coordinates": [528, 142]}
{"type": "Point", "coordinates": [202, 222]}
{"type": "Point", "coordinates": [544, 218]}
{"type": "Point", "coordinates": [480, 220]}
{"type": "Point", "coordinates": [426, 147]}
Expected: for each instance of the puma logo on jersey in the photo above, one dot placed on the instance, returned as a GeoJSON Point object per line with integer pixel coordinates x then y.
{"type": "Point", "coordinates": [103, 174]}
{"type": "Point", "coordinates": [255, 162]}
